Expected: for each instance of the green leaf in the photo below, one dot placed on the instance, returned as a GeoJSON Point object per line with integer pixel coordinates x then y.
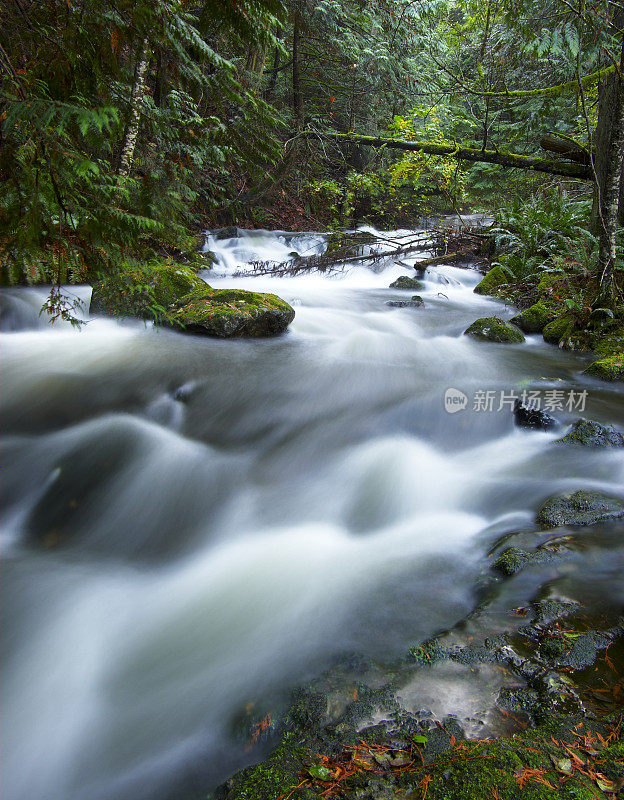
{"type": "Point", "coordinates": [320, 772]}
{"type": "Point", "coordinates": [418, 738]}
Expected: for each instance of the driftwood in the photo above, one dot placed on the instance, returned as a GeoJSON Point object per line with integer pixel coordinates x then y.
{"type": "Point", "coordinates": [446, 244]}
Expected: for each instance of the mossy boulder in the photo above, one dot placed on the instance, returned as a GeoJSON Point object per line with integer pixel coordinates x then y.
{"type": "Point", "coordinates": [227, 313]}
{"type": "Point", "coordinates": [495, 329]}
{"type": "Point", "coordinates": [588, 433]}
{"type": "Point", "coordinates": [559, 330]}
{"type": "Point", "coordinates": [405, 282]}
{"type": "Point", "coordinates": [579, 508]}
{"type": "Point", "coordinates": [495, 278]}
{"type": "Point", "coordinates": [138, 291]}
{"type": "Point", "coordinates": [535, 318]}
{"type": "Point", "coordinates": [607, 369]}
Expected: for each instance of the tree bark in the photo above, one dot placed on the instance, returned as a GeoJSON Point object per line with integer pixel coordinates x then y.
{"type": "Point", "coordinates": [504, 159]}
{"type": "Point", "coordinates": [296, 74]}
{"type": "Point", "coordinates": [608, 208]}
{"type": "Point", "coordinates": [136, 97]}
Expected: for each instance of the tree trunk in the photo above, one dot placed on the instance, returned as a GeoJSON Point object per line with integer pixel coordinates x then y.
{"type": "Point", "coordinates": [136, 98]}
{"type": "Point", "coordinates": [296, 75]}
{"type": "Point", "coordinates": [609, 188]}
{"type": "Point", "coordinates": [568, 170]}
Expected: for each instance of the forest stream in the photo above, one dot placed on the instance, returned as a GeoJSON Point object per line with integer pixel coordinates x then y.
{"type": "Point", "coordinates": [193, 527]}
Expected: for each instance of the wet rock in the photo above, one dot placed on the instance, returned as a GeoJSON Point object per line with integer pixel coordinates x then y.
{"type": "Point", "coordinates": [520, 700]}
{"type": "Point", "coordinates": [415, 302]}
{"type": "Point", "coordinates": [607, 369]}
{"type": "Point", "coordinates": [535, 318]}
{"type": "Point", "coordinates": [579, 508]}
{"type": "Point", "coordinates": [226, 313]}
{"type": "Point", "coordinates": [225, 233]}
{"type": "Point", "coordinates": [559, 330]}
{"type": "Point", "coordinates": [583, 650]}
{"type": "Point", "coordinates": [495, 278]}
{"type": "Point", "coordinates": [587, 433]}
{"type": "Point", "coordinates": [514, 560]}
{"type": "Point", "coordinates": [494, 329]}
{"type": "Point", "coordinates": [428, 652]}
{"type": "Point", "coordinates": [136, 289]}
{"type": "Point", "coordinates": [405, 282]}
{"type": "Point", "coordinates": [526, 417]}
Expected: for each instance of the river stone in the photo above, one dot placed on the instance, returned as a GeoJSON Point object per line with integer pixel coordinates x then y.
{"type": "Point", "coordinates": [607, 369]}
{"type": "Point", "coordinates": [526, 417]}
{"type": "Point", "coordinates": [592, 434]}
{"type": "Point", "coordinates": [515, 559]}
{"type": "Point", "coordinates": [495, 329]}
{"type": "Point", "coordinates": [118, 295]}
{"type": "Point", "coordinates": [405, 282]}
{"type": "Point", "coordinates": [579, 508]}
{"type": "Point", "coordinates": [227, 313]}
{"type": "Point", "coordinates": [535, 318]}
{"type": "Point", "coordinates": [495, 278]}
{"type": "Point", "coordinates": [415, 302]}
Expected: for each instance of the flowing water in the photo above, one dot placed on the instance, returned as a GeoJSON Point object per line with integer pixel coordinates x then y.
{"type": "Point", "coordinates": [194, 525]}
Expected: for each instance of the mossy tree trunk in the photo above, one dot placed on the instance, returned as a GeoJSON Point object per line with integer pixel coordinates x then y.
{"type": "Point", "coordinates": [609, 185]}
{"type": "Point", "coordinates": [136, 98]}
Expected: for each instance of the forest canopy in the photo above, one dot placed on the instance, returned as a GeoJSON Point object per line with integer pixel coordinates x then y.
{"type": "Point", "coordinates": [127, 127]}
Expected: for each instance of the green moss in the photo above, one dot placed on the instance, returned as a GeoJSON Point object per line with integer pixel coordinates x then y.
{"type": "Point", "coordinates": [514, 560]}
{"type": "Point", "coordinates": [145, 291]}
{"type": "Point", "coordinates": [494, 329]}
{"type": "Point", "coordinates": [535, 318]}
{"type": "Point", "coordinates": [495, 278]}
{"type": "Point", "coordinates": [549, 281]}
{"type": "Point", "coordinates": [405, 282]}
{"type": "Point", "coordinates": [559, 330]}
{"type": "Point", "coordinates": [273, 777]}
{"type": "Point", "coordinates": [233, 312]}
{"type": "Point", "coordinates": [607, 369]}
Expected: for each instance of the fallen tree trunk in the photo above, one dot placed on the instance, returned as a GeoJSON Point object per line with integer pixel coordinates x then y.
{"type": "Point", "coordinates": [504, 159]}
{"type": "Point", "coordinates": [566, 147]}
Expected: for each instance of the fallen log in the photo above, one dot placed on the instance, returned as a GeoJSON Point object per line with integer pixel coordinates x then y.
{"type": "Point", "coordinates": [569, 170]}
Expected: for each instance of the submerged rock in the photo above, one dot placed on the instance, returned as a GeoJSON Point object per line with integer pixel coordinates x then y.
{"type": "Point", "coordinates": [226, 313]}
{"type": "Point", "coordinates": [495, 329]}
{"type": "Point", "coordinates": [495, 278]}
{"type": "Point", "coordinates": [405, 282]}
{"type": "Point", "coordinates": [587, 433]}
{"type": "Point", "coordinates": [579, 508]}
{"type": "Point", "coordinates": [514, 560]}
{"type": "Point", "coordinates": [415, 302]}
{"type": "Point", "coordinates": [526, 417]}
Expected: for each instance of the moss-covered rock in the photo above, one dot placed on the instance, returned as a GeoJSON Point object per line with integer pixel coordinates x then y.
{"type": "Point", "coordinates": [535, 318]}
{"type": "Point", "coordinates": [495, 329]}
{"type": "Point", "coordinates": [559, 330]}
{"type": "Point", "coordinates": [515, 559]}
{"type": "Point", "coordinates": [607, 369]}
{"type": "Point", "coordinates": [405, 282]}
{"type": "Point", "coordinates": [494, 279]}
{"type": "Point", "coordinates": [272, 778]}
{"type": "Point", "coordinates": [588, 433]}
{"type": "Point", "coordinates": [579, 508]}
{"type": "Point", "coordinates": [227, 313]}
{"type": "Point", "coordinates": [141, 291]}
